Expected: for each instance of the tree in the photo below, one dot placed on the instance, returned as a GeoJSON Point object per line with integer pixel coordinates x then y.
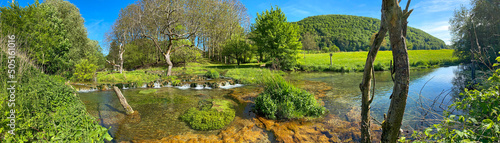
{"type": "Point", "coordinates": [308, 42]}
{"type": "Point", "coordinates": [185, 54]}
{"type": "Point", "coordinates": [475, 33]}
{"type": "Point", "coordinates": [276, 36]}
{"type": "Point", "coordinates": [123, 31]}
{"type": "Point", "coordinates": [52, 34]}
{"type": "Point", "coordinates": [395, 21]}
{"type": "Point", "coordinates": [164, 22]}
{"type": "Point", "coordinates": [238, 48]}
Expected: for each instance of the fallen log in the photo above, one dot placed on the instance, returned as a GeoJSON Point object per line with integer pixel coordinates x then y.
{"type": "Point", "coordinates": [123, 101]}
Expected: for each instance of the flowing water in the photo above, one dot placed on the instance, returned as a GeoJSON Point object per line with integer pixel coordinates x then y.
{"type": "Point", "coordinates": [159, 111]}
{"type": "Point", "coordinates": [429, 93]}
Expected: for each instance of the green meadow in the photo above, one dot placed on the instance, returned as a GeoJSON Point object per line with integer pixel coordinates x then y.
{"type": "Point", "coordinates": [355, 61]}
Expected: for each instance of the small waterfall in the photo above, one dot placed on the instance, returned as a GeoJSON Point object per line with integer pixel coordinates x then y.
{"type": "Point", "coordinates": [91, 89]}
{"type": "Point", "coordinates": [185, 86]}
{"type": "Point", "coordinates": [144, 85]}
{"type": "Point", "coordinates": [229, 86]}
{"type": "Point", "coordinates": [168, 85]}
{"type": "Point", "coordinates": [156, 85]}
{"type": "Point", "coordinates": [199, 86]}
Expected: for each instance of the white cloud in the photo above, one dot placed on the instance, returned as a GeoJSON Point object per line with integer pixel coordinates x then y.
{"type": "Point", "coordinates": [431, 6]}
{"type": "Point", "coordinates": [437, 29]}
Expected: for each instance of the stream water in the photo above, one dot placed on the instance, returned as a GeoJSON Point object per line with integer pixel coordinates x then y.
{"type": "Point", "coordinates": [159, 111]}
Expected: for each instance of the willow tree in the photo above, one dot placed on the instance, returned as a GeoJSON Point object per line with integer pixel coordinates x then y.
{"type": "Point", "coordinates": [394, 20]}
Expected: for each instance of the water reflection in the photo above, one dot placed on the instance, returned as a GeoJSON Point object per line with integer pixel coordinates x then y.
{"type": "Point", "coordinates": [429, 93]}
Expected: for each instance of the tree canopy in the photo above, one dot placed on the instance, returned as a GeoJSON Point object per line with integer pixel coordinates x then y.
{"type": "Point", "coordinates": [51, 34]}
{"type": "Point", "coordinates": [274, 35]}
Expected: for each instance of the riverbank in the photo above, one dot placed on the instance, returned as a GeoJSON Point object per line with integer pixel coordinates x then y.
{"type": "Point", "coordinates": [249, 73]}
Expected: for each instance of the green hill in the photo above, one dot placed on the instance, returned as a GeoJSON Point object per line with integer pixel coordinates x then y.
{"type": "Point", "coordinates": [353, 33]}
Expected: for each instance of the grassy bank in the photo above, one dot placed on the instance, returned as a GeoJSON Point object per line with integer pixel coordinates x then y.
{"type": "Point", "coordinates": [355, 61]}
{"type": "Point", "coordinates": [46, 109]}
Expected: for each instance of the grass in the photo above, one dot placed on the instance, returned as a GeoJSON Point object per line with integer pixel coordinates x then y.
{"type": "Point", "coordinates": [138, 76]}
{"type": "Point", "coordinates": [355, 61]}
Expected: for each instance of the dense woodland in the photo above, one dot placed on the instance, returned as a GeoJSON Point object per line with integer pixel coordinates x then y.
{"type": "Point", "coordinates": [354, 33]}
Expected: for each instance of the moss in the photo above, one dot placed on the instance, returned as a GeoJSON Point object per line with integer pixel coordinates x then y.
{"type": "Point", "coordinates": [212, 74]}
{"type": "Point", "coordinates": [210, 115]}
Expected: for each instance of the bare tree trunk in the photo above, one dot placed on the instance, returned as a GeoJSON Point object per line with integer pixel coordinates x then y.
{"type": "Point", "coordinates": [365, 85]}
{"type": "Point", "coordinates": [122, 50]}
{"type": "Point", "coordinates": [121, 62]}
{"type": "Point", "coordinates": [397, 25]}
{"type": "Point", "coordinates": [170, 65]}
{"type": "Point", "coordinates": [123, 101]}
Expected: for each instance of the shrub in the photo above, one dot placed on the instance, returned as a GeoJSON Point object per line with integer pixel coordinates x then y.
{"type": "Point", "coordinates": [212, 74]}
{"type": "Point", "coordinates": [281, 100]}
{"type": "Point", "coordinates": [210, 115]}
{"type": "Point", "coordinates": [84, 71]}
{"type": "Point", "coordinates": [47, 110]}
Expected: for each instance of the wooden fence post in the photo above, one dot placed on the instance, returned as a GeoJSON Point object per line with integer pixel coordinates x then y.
{"type": "Point", "coordinates": [331, 63]}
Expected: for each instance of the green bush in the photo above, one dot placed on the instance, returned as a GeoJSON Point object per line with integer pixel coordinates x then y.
{"type": "Point", "coordinates": [281, 100]}
{"type": "Point", "coordinates": [47, 110]}
{"type": "Point", "coordinates": [212, 74]}
{"type": "Point", "coordinates": [210, 115]}
{"type": "Point", "coordinates": [84, 71]}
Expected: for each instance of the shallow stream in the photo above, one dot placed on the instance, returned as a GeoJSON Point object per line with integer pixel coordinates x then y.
{"type": "Point", "coordinates": [159, 111]}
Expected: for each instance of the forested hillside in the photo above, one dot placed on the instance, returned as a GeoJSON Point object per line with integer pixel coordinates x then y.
{"type": "Point", "coordinates": [353, 33]}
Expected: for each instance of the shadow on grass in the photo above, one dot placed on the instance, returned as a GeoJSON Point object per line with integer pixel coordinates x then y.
{"type": "Point", "coordinates": [232, 66]}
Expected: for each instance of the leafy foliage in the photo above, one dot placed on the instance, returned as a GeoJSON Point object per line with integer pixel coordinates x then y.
{"type": "Point", "coordinates": [479, 122]}
{"type": "Point", "coordinates": [281, 100]}
{"type": "Point", "coordinates": [212, 74]}
{"type": "Point", "coordinates": [473, 32]}
{"type": "Point", "coordinates": [238, 48]}
{"type": "Point", "coordinates": [46, 110]}
{"type": "Point", "coordinates": [210, 115]}
{"type": "Point", "coordinates": [52, 35]}
{"type": "Point", "coordinates": [84, 71]}
{"type": "Point", "coordinates": [352, 33]}
{"type": "Point", "coordinates": [278, 38]}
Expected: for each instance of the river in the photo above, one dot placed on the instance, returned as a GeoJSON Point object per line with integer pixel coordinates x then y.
{"type": "Point", "coordinates": [159, 111]}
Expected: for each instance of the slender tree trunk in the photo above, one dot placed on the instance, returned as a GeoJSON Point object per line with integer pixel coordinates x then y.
{"type": "Point", "coordinates": [397, 25]}
{"type": "Point", "coordinates": [170, 65]}
{"type": "Point", "coordinates": [123, 101]}
{"type": "Point", "coordinates": [120, 52]}
{"type": "Point", "coordinates": [365, 85]}
{"type": "Point", "coordinates": [121, 61]}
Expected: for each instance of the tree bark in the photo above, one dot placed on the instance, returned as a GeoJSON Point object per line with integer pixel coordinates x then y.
{"type": "Point", "coordinates": [170, 65]}
{"type": "Point", "coordinates": [123, 101]}
{"type": "Point", "coordinates": [397, 25]}
{"type": "Point", "coordinates": [365, 85]}
{"type": "Point", "coordinates": [121, 61]}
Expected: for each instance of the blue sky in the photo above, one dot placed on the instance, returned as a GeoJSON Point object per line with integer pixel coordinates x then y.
{"type": "Point", "coordinates": [432, 16]}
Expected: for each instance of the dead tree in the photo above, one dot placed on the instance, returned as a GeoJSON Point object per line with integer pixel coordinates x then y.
{"type": "Point", "coordinates": [394, 20]}
{"type": "Point", "coordinates": [365, 85]}
{"type": "Point", "coordinates": [123, 101]}
{"type": "Point", "coordinates": [397, 25]}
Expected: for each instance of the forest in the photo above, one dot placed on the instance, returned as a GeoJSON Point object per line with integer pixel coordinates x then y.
{"type": "Point", "coordinates": [210, 71]}
{"type": "Point", "coordinates": [354, 33]}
